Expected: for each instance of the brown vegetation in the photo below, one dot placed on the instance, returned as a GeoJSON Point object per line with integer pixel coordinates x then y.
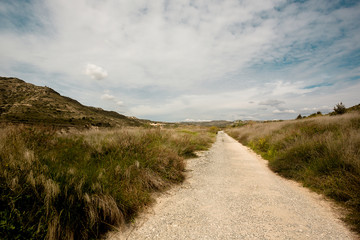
{"type": "Point", "coordinates": [79, 185]}
{"type": "Point", "coordinates": [321, 152]}
{"type": "Point", "coordinates": [25, 103]}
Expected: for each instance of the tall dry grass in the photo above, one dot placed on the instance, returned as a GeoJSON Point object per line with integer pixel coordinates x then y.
{"type": "Point", "coordinates": [323, 153]}
{"type": "Point", "coordinates": [79, 185]}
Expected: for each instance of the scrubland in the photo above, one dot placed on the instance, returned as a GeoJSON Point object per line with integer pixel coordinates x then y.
{"type": "Point", "coordinates": [78, 185]}
{"type": "Point", "coordinates": [322, 152]}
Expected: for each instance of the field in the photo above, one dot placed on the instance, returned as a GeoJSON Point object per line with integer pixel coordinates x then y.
{"type": "Point", "coordinates": [321, 152]}
{"type": "Point", "coordinates": [80, 184]}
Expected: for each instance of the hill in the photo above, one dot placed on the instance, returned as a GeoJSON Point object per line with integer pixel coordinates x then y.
{"type": "Point", "coordinates": [353, 108]}
{"type": "Point", "coordinates": [22, 102]}
{"type": "Point", "coordinates": [213, 123]}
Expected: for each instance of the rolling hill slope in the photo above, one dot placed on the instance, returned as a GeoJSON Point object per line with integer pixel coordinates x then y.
{"type": "Point", "coordinates": [22, 102]}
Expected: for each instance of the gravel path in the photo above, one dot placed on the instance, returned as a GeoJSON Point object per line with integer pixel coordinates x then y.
{"type": "Point", "coordinates": [231, 194]}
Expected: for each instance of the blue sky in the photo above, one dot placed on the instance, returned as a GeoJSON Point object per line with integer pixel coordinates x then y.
{"type": "Point", "coordinates": [181, 60]}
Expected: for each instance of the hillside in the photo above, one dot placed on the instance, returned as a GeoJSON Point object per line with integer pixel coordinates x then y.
{"type": "Point", "coordinates": [22, 102]}
{"type": "Point", "coordinates": [353, 108]}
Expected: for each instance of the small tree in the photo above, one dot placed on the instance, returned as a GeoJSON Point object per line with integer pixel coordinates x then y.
{"type": "Point", "coordinates": [339, 108]}
{"type": "Point", "coordinates": [299, 116]}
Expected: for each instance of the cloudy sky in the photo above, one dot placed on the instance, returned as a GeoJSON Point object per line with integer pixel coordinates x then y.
{"type": "Point", "coordinates": [188, 59]}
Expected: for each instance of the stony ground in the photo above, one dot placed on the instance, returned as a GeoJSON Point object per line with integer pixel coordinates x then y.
{"type": "Point", "coordinates": [231, 194]}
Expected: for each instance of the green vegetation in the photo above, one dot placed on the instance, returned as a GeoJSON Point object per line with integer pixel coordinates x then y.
{"type": "Point", "coordinates": [214, 129]}
{"type": "Point", "coordinates": [299, 116]}
{"type": "Point", "coordinates": [339, 108]}
{"type": "Point", "coordinates": [25, 103]}
{"type": "Point", "coordinates": [321, 152]}
{"type": "Point", "coordinates": [79, 185]}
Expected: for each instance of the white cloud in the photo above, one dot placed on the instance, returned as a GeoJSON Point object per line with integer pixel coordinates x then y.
{"type": "Point", "coordinates": [316, 108]}
{"type": "Point", "coordinates": [284, 111]}
{"type": "Point", "coordinates": [95, 72]}
{"type": "Point", "coordinates": [282, 88]}
{"type": "Point", "coordinates": [206, 59]}
{"type": "Point", "coordinates": [107, 96]}
{"type": "Point", "coordinates": [195, 120]}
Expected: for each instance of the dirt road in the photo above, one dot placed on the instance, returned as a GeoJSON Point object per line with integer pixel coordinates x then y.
{"type": "Point", "coordinates": [231, 194]}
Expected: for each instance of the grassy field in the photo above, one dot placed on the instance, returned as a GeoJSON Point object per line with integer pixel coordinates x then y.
{"type": "Point", "coordinates": [79, 185]}
{"type": "Point", "coordinates": [321, 152]}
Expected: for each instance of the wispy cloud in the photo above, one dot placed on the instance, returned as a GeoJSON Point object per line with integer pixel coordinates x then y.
{"type": "Point", "coordinates": [111, 98]}
{"type": "Point", "coordinates": [284, 111]}
{"type": "Point", "coordinates": [172, 60]}
{"type": "Point", "coordinates": [271, 102]}
{"type": "Point", "coordinates": [324, 84]}
{"type": "Point", "coordinates": [107, 96]}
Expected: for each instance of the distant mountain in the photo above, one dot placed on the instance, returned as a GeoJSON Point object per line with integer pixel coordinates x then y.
{"type": "Point", "coordinates": [213, 123]}
{"type": "Point", "coordinates": [22, 102]}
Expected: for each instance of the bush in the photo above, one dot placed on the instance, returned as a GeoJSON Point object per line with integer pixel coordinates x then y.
{"type": "Point", "coordinates": [339, 108]}
{"type": "Point", "coordinates": [214, 129]}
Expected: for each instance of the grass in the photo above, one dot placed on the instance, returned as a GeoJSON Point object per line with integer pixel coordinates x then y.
{"type": "Point", "coordinates": [323, 153]}
{"type": "Point", "coordinates": [79, 185]}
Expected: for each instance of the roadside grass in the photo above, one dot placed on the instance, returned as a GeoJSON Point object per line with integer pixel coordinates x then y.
{"type": "Point", "coordinates": [79, 185]}
{"type": "Point", "coordinates": [323, 153]}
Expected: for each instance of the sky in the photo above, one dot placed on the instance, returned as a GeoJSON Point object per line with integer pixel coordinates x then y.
{"type": "Point", "coordinates": [188, 60]}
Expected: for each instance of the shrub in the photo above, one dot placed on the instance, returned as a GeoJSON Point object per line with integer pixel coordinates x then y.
{"type": "Point", "coordinates": [214, 129]}
{"type": "Point", "coordinates": [339, 108]}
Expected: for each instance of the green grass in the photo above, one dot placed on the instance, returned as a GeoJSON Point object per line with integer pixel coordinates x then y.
{"type": "Point", "coordinates": [323, 153]}
{"type": "Point", "coordinates": [80, 185]}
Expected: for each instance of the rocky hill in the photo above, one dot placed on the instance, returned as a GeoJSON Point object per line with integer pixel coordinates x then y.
{"type": "Point", "coordinates": [22, 102]}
